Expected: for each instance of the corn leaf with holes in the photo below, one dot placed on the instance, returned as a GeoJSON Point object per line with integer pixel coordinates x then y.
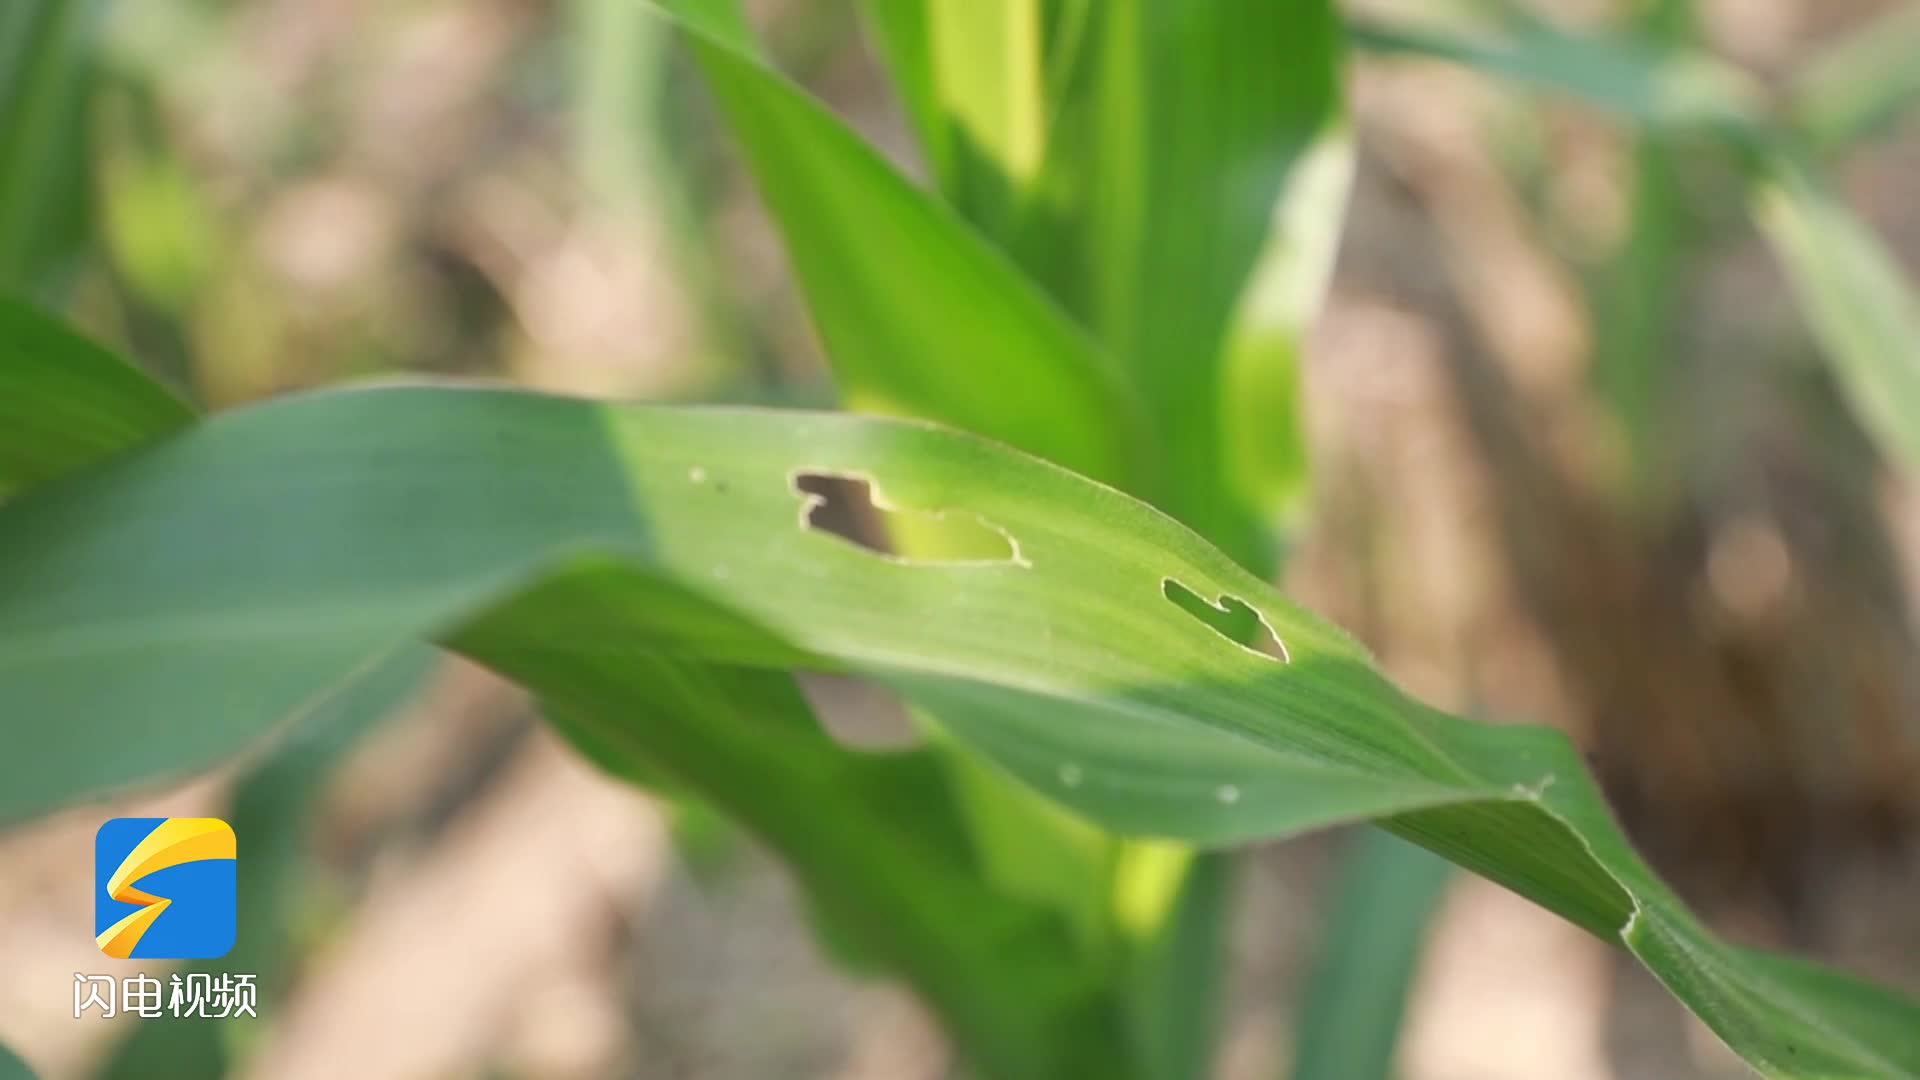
{"type": "Point", "coordinates": [1173, 175]}
{"type": "Point", "coordinates": [164, 608]}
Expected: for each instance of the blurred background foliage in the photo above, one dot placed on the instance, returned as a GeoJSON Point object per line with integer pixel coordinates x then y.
{"type": "Point", "coordinates": [1586, 448]}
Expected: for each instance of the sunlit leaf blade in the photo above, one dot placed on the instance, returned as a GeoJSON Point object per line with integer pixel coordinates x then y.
{"type": "Point", "coordinates": [66, 402]}
{"type": "Point", "coordinates": [1028, 846]}
{"type": "Point", "coordinates": [919, 315]}
{"type": "Point", "coordinates": [231, 572]}
{"type": "Point", "coordinates": [44, 190]}
{"type": "Point", "coordinates": [1178, 980]}
{"type": "Point", "coordinates": [984, 87]}
{"type": "Point", "coordinates": [1185, 206]}
{"type": "Point", "coordinates": [987, 58]}
{"type": "Point", "coordinates": [1262, 425]}
{"type": "Point", "coordinates": [1202, 159]}
{"type": "Point", "coordinates": [1377, 918]}
{"type": "Point", "coordinates": [1859, 85]}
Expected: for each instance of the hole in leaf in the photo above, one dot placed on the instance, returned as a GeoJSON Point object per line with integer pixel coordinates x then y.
{"type": "Point", "coordinates": [842, 507]}
{"type": "Point", "coordinates": [853, 509]}
{"type": "Point", "coordinates": [858, 714]}
{"type": "Point", "coordinates": [1231, 618]}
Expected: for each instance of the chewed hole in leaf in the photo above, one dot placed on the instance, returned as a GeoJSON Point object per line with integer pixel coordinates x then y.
{"type": "Point", "coordinates": [1231, 618]}
{"type": "Point", "coordinates": [841, 507]}
{"type": "Point", "coordinates": [854, 509]}
{"type": "Point", "coordinates": [858, 714]}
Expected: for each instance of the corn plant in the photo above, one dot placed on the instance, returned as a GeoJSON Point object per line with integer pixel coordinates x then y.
{"type": "Point", "coordinates": [1070, 359]}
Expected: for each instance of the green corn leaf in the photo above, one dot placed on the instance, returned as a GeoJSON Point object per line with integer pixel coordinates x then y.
{"type": "Point", "coordinates": [621, 65]}
{"type": "Point", "coordinates": [86, 404]}
{"type": "Point", "coordinates": [11, 1067]}
{"type": "Point", "coordinates": [1861, 307]}
{"type": "Point", "coordinates": [44, 189]}
{"type": "Point", "coordinates": [886, 864]}
{"type": "Point", "coordinates": [165, 607]}
{"type": "Point", "coordinates": [1184, 204]}
{"type": "Point", "coordinates": [1637, 303]}
{"type": "Point", "coordinates": [899, 29]}
{"type": "Point", "coordinates": [919, 315]}
{"type": "Point", "coordinates": [982, 84]}
{"type": "Point", "coordinates": [1197, 176]}
{"type": "Point", "coordinates": [989, 76]}
{"type": "Point", "coordinates": [723, 22]}
{"type": "Point", "coordinates": [1860, 303]}
{"type": "Point", "coordinates": [1377, 919]}
{"type": "Point", "coordinates": [1175, 175]}
{"type": "Point", "coordinates": [1638, 295]}
{"type": "Point", "coordinates": [1670, 89]}
{"type": "Point", "coordinates": [1175, 988]}
{"type": "Point", "coordinates": [66, 402]}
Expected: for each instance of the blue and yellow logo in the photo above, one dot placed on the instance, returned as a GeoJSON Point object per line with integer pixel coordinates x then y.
{"type": "Point", "coordinates": [183, 907]}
